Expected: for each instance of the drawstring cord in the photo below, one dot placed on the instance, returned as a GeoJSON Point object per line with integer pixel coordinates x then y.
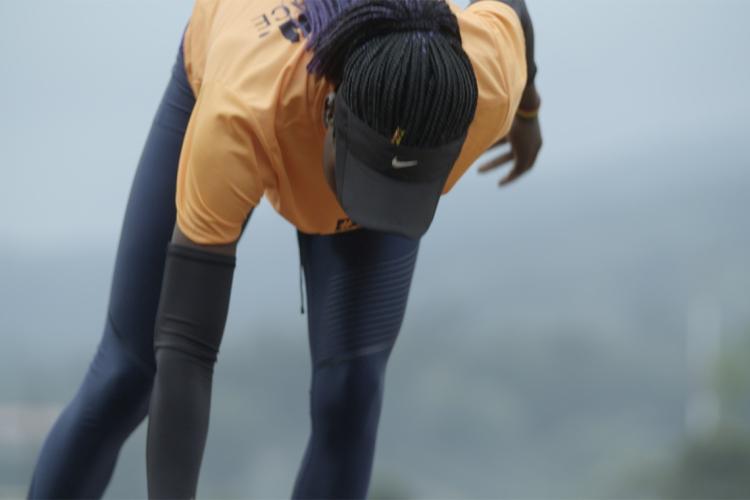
{"type": "Point", "coordinates": [301, 275]}
{"type": "Point", "coordinates": [301, 290]}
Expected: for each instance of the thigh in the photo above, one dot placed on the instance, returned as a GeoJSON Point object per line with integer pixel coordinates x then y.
{"type": "Point", "coordinates": [149, 220]}
{"type": "Point", "coordinates": [357, 288]}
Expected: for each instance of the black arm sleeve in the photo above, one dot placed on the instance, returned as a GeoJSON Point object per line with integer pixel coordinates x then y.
{"type": "Point", "coordinates": [528, 32]}
{"type": "Point", "coordinates": [189, 326]}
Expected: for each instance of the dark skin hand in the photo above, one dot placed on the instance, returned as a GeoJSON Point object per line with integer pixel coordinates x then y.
{"type": "Point", "coordinates": [525, 139]}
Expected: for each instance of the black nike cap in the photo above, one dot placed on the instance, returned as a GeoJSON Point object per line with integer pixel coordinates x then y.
{"type": "Point", "coordinates": [386, 186]}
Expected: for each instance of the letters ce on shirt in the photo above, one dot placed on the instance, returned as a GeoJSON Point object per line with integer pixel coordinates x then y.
{"type": "Point", "coordinates": [256, 129]}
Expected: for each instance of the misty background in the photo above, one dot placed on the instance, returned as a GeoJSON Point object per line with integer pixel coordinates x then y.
{"type": "Point", "coordinates": [582, 333]}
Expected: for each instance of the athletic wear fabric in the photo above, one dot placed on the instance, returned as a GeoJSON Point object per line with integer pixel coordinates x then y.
{"type": "Point", "coordinates": [189, 328]}
{"type": "Point", "coordinates": [349, 335]}
{"type": "Point", "coordinates": [528, 33]}
{"type": "Point", "coordinates": [258, 130]}
{"type": "Point", "coordinates": [357, 286]}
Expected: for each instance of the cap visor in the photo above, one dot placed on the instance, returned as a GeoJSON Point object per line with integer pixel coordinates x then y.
{"type": "Point", "coordinates": [378, 202]}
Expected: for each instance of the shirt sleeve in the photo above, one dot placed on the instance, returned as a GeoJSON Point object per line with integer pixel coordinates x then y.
{"type": "Point", "coordinates": [492, 37]}
{"type": "Point", "coordinates": [217, 179]}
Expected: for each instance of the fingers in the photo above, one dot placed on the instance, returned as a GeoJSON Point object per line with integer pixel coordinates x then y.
{"type": "Point", "coordinates": [513, 175]}
{"type": "Point", "coordinates": [497, 162]}
{"type": "Point", "coordinates": [526, 142]}
{"type": "Point", "coordinates": [524, 161]}
{"type": "Point", "coordinates": [523, 164]}
{"type": "Point", "coordinates": [518, 170]}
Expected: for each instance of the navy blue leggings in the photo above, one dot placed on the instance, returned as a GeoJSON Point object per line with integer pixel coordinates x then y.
{"type": "Point", "coordinates": [357, 286]}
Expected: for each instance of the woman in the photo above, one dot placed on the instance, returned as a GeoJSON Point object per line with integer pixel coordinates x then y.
{"type": "Point", "coordinates": [398, 98]}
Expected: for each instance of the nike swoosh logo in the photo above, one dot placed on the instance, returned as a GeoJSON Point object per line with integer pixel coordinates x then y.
{"type": "Point", "coordinates": [403, 164]}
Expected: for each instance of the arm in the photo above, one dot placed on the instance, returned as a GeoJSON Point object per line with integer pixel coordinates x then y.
{"type": "Point", "coordinates": [525, 136]}
{"type": "Point", "coordinates": [519, 6]}
{"type": "Point", "coordinates": [180, 238]}
{"type": "Point", "coordinates": [218, 185]}
{"type": "Point", "coordinates": [530, 99]}
{"type": "Point", "coordinates": [189, 326]}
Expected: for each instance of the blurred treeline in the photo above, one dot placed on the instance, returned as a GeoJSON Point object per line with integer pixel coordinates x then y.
{"type": "Point", "coordinates": [714, 463]}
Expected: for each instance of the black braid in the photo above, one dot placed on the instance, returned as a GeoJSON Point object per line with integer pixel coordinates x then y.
{"type": "Point", "coordinates": [399, 64]}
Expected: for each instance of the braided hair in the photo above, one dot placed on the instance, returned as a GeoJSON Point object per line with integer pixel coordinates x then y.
{"type": "Point", "coordinates": [399, 65]}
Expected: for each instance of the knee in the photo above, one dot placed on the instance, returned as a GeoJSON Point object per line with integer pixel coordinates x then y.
{"type": "Point", "coordinates": [347, 395]}
{"type": "Point", "coordinates": [116, 387]}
